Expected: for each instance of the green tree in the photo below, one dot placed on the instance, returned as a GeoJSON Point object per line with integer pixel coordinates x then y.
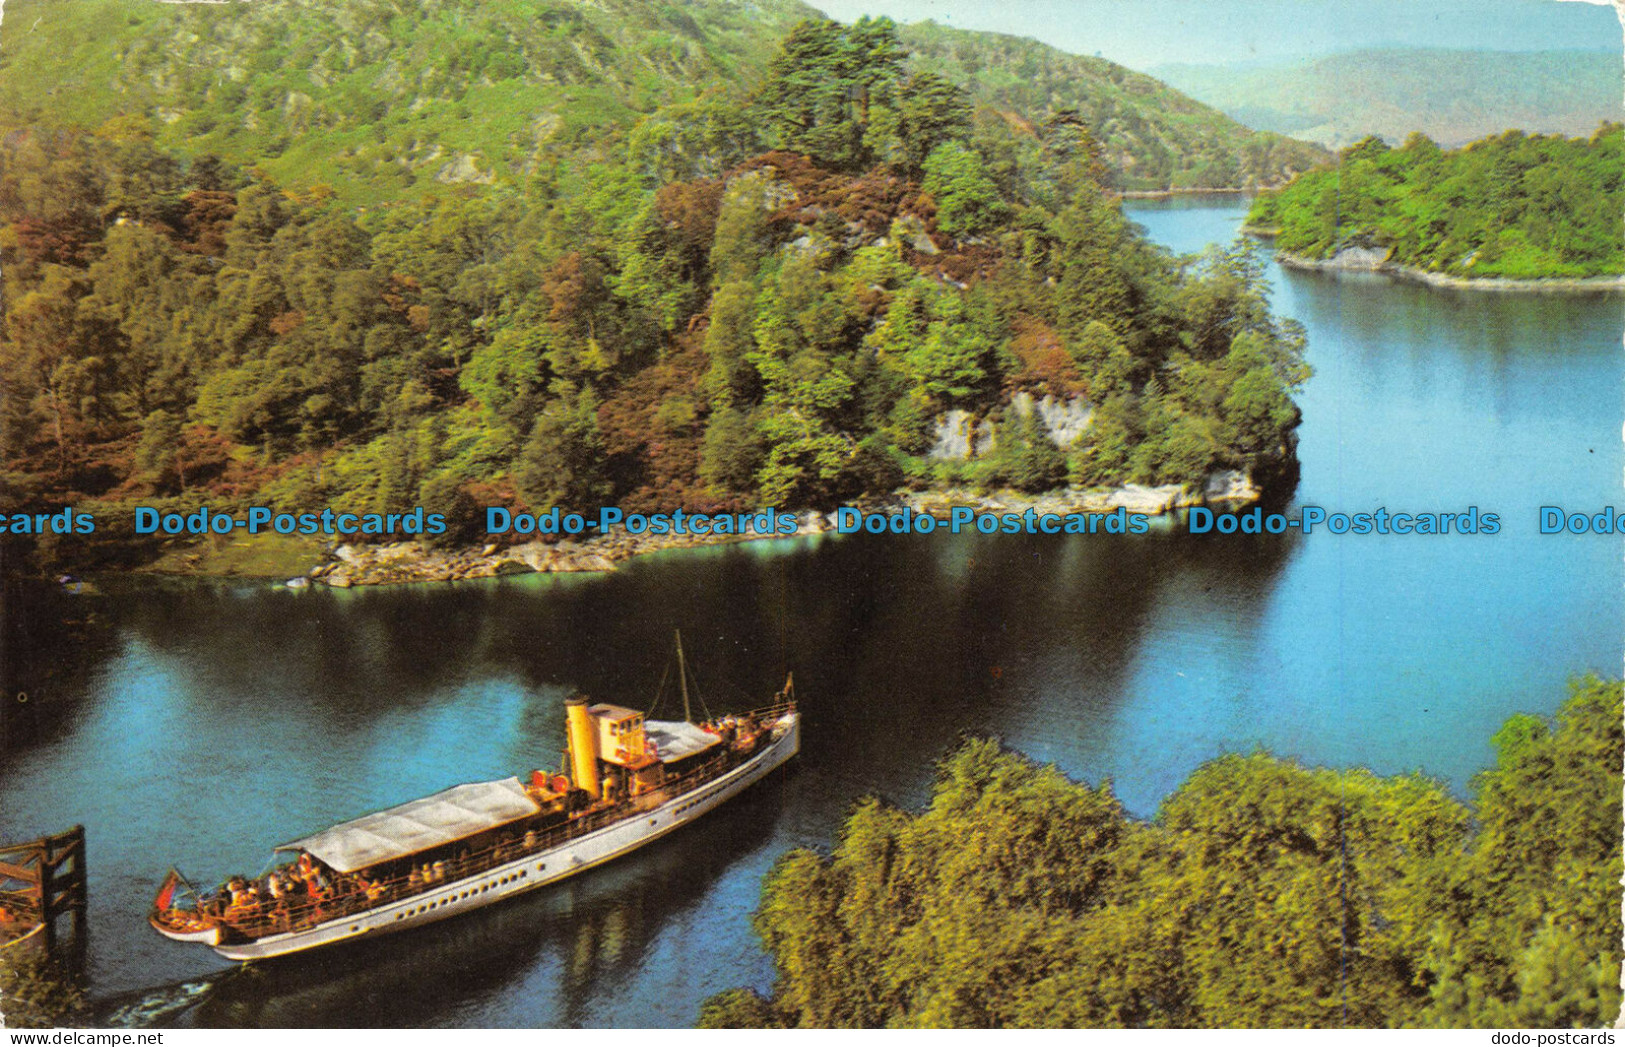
{"type": "Point", "coordinates": [816, 96]}
{"type": "Point", "coordinates": [732, 451]}
{"type": "Point", "coordinates": [563, 461]}
{"type": "Point", "coordinates": [910, 118]}
{"type": "Point", "coordinates": [157, 455]}
{"type": "Point", "coordinates": [968, 202]}
{"type": "Point", "coordinates": [1262, 894]}
{"type": "Point", "coordinates": [1025, 456]}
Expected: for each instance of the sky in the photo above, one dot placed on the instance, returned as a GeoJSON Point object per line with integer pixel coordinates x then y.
{"type": "Point", "coordinates": [1143, 34]}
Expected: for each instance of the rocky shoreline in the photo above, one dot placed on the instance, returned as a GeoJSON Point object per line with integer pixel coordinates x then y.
{"type": "Point", "coordinates": [1375, 260]}
{"type": "Point", "coordinates": [349, 565]}
{"type": "Point", "coordinates": [397, 562]}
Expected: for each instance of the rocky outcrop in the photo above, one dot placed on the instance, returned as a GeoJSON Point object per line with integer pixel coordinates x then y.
{"type": "Point", "coordinates": [1231, 487]}
{"type": "Point", "coordinates": [1064, 420]}
{"type": "Point", "coordinates": [463, 168]}
{"type": "Point", "coordinates": [1359, 258]}
{"type": "Point", "coordinates": [959, 435]}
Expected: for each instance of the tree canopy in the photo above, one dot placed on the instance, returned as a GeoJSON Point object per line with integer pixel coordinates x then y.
{"type": "Point", "coordinates": [1263, 894]}
{"type": "Point", "coordinates": [665, 322]}
{"type": "Point", "coordinates": [1513, 205]}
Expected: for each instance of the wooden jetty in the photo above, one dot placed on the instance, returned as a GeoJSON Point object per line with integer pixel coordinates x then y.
{"type": "Point", "coordinates": [41, 882]}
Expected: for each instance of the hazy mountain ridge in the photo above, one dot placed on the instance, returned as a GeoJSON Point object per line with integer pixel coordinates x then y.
{"type": "Point", "coordinates": [1452, 96]}
{"type": "Point", "coordinates": [1155, 137]}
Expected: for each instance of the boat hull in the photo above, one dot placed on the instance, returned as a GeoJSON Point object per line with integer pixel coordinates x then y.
{"type": "Point", "coordinates": [209, 935]}
{"type": "Point", "coordinates": [528, 873]}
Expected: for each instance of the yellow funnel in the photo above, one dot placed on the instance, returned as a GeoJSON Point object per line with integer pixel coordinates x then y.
{"type": "Point", "coordinates": [583, 745]}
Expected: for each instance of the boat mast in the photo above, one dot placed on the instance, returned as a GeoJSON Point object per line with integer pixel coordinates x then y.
{"type": "Point", "coordinates": [682, 674]}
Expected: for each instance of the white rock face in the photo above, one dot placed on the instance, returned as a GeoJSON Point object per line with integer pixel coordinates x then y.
{"type": "Point", "coordinates": [955, 437]}
{"type": "Point", "coordinates": [464, 169]}
{"type": "Point", "coordinates": [1065, 420]}
{"type": "Point", "coordinates": [1360, 258]}
{"type": "Point", "coordinates": [1230, 484]}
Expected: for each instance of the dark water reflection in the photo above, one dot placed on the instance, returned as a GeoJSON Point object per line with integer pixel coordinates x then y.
{"type": "Point", "coordinates": [200, 723]}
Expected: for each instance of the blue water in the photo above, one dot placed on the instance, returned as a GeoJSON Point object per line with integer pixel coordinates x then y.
{"type": "Point", "coordinates": [1405, 652]}
{"type": "Point", "coordinates": [200, 723]}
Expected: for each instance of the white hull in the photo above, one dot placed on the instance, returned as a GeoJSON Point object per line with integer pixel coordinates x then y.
{"type": "Point", "coordinates": [530, 872]}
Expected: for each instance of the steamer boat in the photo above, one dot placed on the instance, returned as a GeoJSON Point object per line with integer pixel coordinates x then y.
{"type": "Point", "coordinates": [630, 780]}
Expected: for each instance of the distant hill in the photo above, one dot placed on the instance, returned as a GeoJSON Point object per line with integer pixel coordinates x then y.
{"type": "Point", "coordinates": [1155, 137]}
{"type": "Point", "coordinates": [374, 98]}
{"type": "Point", "coordinates": [1453, 97]}
{"type": "Point", "coordinates": [382, 95]}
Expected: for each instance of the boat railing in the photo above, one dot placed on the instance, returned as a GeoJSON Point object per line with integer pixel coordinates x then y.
{"type": "Point", "coordinates": [773, 713]}
{"type": "Point", "coordinates": [351, 897]}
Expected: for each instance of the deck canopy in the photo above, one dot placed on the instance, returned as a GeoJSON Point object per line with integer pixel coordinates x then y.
{"type": "Point", "coordinates": [401, 831]}
{"type": "Point", "coordinates": [676, 740]}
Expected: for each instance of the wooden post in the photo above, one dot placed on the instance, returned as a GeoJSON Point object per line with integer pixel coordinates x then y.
{"type": "Point", "coordinates": [41, 881]}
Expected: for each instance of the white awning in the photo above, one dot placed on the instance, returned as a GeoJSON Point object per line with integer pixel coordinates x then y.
{"type": "Point", "coordinates": [676, 740]}
{"type": "Point", "coordinates": [417, 826]}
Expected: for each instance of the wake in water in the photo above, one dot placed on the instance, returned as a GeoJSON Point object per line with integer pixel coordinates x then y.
{"type": "Point", "coordinates": [159, 1005]}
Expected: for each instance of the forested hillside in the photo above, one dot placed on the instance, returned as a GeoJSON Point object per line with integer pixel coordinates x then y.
{"type": "Point", "coordinates": [379, 98]}
{"type": "Point", "coordinates": [1263, 894]}
{"type": "Point", "coordinates": [1516, 205]}
{"type": "Point", "coordinates": [785, 331]}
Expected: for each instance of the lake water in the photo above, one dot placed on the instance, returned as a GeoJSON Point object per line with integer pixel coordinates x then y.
{"type": "Point", "coordinates": [200, 723]}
